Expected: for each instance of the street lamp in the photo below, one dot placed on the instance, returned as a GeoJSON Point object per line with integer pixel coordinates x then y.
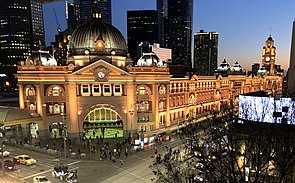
{"type": "Point", "coordinates": [79, 113]}
{"type": "Point", "coordinates": [2, 132]}
{"type": "Point", "coordinates": [64, 117]}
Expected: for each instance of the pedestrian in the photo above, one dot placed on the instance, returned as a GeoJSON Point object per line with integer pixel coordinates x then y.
{"type": "Point", "coordinates": [121, 161]}
{"type": "Point", "coordinates": [47, 146]}
{"type": "Point", "coordinates": [126, 154]}
{"type": "Point", "coordinates": [156, 151]}
{"type": "Point", "coordinates": [79, 151]}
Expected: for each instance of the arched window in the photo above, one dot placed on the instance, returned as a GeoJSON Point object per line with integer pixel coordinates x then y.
{"type": "Point", "coordinates": [191, 99]}
{"type": "Point", "coordinates": [30, 91]}
{"type": "Point", "coordinates": [55, 91]}
{"type": "Point", "coordinates": [143, 90]}
{"type": "Point", "coordinates": [102, 114]}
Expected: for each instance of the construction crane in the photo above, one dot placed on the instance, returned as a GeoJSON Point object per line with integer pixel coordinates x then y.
{"type": "Point", "coordinates": [56, 20]}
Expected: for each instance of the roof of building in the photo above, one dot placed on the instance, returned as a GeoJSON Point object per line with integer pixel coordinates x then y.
{"type": "Point", "coordinates": [40, 58]}
{"type": "Point", "coordinates": [97, 38]}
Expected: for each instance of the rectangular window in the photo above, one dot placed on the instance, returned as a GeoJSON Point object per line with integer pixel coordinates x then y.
{"type": "Point", "coordinates": [117, 88]}
{"type": "Point", "coordinates": [96, 89]}
{"type": "Point", "coordinates": [85, 88]}
{"type": "Point", "coordinates": [107, 89]}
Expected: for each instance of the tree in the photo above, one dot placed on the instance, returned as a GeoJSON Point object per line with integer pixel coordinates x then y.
{"type": "Point", "coordinates": [232, 150]}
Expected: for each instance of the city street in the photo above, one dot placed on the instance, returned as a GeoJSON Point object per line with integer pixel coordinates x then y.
{"type": "Point", "coordinates": [134, 169]}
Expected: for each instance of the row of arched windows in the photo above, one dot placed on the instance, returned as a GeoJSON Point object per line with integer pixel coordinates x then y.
{"type": "Point", "coordinates": [52, 91]}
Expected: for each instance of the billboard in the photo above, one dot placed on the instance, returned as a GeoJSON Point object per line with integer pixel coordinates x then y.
{"type": "Point", "coordinates": [267, 109]}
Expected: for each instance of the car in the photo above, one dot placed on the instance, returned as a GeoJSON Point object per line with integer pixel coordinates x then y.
{"type": "Point", "coordinates": [8, 165]}
{"type": "Point", "coordinates": [41, 179]}
{"type": "Point", "coordinates": [5, 153]}
{"type": "Point", "coordinates": [25, 160]}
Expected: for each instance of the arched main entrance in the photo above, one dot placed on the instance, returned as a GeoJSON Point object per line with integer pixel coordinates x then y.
{"type": "Point", "coordinates": [102, 123]}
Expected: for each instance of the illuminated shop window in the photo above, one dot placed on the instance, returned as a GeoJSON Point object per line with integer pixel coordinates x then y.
{"type": "Point", "coordinates": [55, 91]}
{"type": "Point", "coordinates": [30, 91]}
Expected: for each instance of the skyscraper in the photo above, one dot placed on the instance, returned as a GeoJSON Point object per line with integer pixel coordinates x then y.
{"type": "Point", "coordinates": [176, 19]}
{"type": "Point", "coordinates": [291, 71]}
{"type": "Point", "coordinates": [104, 6]}
{"type": "Point", "coordinates": [269, 55]}
{"type": "Point", "coordinates": [72, 13]}
{"type": "Point", "coordinates": [205, 52]}
{"type": "Point", "coordinates": [22, 30]}
{"type": "Point", "coordinates": [141, 27]}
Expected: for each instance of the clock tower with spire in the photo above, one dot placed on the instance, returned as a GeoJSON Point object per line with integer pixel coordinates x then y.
{"type": "Point", "coordinates": [268, 55]}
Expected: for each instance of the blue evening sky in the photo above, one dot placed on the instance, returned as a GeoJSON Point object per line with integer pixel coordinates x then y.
{"type": "Point", "coordinates": [243, 25]}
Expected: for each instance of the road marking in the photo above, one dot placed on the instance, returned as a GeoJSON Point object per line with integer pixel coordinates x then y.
{"type": "Point", "coordinates": [131, 173]}
{"type": "Point", "coordinates": [46, 171]}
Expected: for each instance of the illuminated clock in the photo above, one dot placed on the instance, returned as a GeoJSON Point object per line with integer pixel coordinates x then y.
{"type": "Point", "coordinates": [101, 75]}
{"type": "Point", "coordinates": [267, 59]}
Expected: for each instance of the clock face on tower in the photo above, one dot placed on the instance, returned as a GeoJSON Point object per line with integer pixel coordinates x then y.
{"type": "Point", "coordinates": [101, 75]}
{"type": "Point", "coordinates": [267, 59]}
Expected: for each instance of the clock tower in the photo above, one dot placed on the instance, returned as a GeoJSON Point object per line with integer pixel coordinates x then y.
{"type": "Point", "coordinates": [268, 55]}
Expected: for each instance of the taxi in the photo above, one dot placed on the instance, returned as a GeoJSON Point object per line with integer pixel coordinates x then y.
{"type": "Point", "coordinates": [25, 160]}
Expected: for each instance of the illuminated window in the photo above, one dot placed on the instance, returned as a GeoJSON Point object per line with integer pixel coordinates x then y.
{"type": "Point", "coordinates": [56, 108]}
{"type": "Point", "coordinates": [102, 114]}
{"type": "Point", "coordinates": [32, 107]}
{"type": "Point", "coordinates": [143, 106]}
{"type": "Point", "coordinates": [55, 91]}
{"type": "Point", "coordinates": [143, 90]}
{"type": "Point", "coordinates": [30, 91]}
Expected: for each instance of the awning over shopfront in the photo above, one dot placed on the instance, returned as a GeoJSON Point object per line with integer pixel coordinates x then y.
{"type": "Point", "coordinates": [103, 124]}
{"type": "Point", "coordinates": [15, 116]}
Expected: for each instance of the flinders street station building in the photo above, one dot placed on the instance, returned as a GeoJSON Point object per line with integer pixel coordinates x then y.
{"type": "Point", "coordinates": [101, 92]}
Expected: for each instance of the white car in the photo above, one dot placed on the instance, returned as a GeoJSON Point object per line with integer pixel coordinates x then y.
{"type": "Point", "coordinates": [41, 179]}
{"type": "Point", "coordinates": [5, 153]}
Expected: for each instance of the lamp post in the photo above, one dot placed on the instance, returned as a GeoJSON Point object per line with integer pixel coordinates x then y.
{"type": "Point", "coordinates": [79, 113]}
{"type": "Point", "coordinates": [2, 133]}
{"type": "Point", "coordinates": [64, 117]}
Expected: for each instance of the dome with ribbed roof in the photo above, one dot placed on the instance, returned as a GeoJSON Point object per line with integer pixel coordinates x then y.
{"type": "Point", "coordinates": [97, 38]}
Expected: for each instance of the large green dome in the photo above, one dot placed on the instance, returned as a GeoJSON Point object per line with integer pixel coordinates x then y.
{"type": "Point", "coordinates": [87, 36]}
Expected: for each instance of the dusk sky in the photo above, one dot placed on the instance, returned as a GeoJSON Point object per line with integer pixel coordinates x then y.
{"type": "Point", "coordinates": [243, 25]}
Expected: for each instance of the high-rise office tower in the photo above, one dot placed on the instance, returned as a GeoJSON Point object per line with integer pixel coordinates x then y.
{"type": "Point", "coordinates": [21, 31]}
{"type": "Point", "coordinates": [291, 71]}
{"type": "Point", "coordinates": [141, 26]}
{"type": "Point", "coordinates": [205, 52]}
{"type": "Point", "coordinates": [104, 6]}
{"type": "Point", "coordinates": [269, 55]}
{"type": "Point", "coordinates": [72, 14]}
{"type": "Point", "coordinates": [162, 9]}
{"type": "Point", "coordinates": [176, 19]}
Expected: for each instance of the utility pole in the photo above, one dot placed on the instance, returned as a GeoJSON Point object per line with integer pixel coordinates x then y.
{"type": "Point", "coordinates": [64, 117]}
{"type": "Point", "coordinates": [2, 133]}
